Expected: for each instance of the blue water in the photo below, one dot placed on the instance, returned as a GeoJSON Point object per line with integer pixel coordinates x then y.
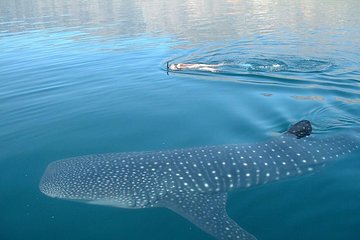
{"type": "Point", "coordinates": [81, 77]}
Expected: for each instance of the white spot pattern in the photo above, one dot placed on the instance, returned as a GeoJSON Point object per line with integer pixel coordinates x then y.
{"type": "Point", "coordinates": [138, 180]}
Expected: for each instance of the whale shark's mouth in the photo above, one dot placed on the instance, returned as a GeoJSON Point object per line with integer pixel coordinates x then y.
{"type": "Point", "coordinates": [51, 191]}
{"type": "Point", "coordinates": [113, 203]}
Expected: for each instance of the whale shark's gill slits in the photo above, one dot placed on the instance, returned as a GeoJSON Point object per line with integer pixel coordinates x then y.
{"type": "Point", "coordinates": [213, 171]}
{"type": "Point", "coordinates": [207, 169]}
{"type": "Point", "coordinates": [234, 164]}
{"type": "Point", "coordinates": [188, 170]}
{"type": "Point", "coordinates": [246, 175]}
{"type": "Point", "coordinates": [177, 168]}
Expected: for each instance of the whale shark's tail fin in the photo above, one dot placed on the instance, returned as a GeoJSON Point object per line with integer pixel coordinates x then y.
{"type": "Point", "coordinates": [301, 129]}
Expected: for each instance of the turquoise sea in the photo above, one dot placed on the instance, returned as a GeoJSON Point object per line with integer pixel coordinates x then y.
{"type": "Point", "coordinates": [89, 76]}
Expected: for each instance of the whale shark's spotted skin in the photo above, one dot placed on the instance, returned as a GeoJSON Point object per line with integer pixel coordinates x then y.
{"type": "Point", "coordinates": [193, 182]}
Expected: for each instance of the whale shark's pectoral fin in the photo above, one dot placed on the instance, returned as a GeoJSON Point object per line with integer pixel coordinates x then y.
{"type": "Point", "coordinates": [208, 212]}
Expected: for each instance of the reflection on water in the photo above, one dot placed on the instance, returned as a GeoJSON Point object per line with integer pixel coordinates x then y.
{"type": "Point", "coordinates": [89, 76]}
{"type": "Point", "coordinates": [190, 19]}
{"type": "Point", "coordinates": [311, 98]}
{"type": "Point", "coordinates": [346, 100]}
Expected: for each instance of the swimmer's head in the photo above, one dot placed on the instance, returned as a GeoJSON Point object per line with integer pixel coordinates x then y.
{"type": "Point", "coordinates": [174, 67]}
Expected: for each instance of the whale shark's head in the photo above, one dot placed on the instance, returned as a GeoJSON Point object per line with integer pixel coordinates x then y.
{"type": "Point", "coordinates": [95, 180]}
{"type": "Point", "coordinates": [50, 183]}
{"type": "Point", "coordinates": [68, 179]}
{"type": "Point", "coordinates": [87, 181]}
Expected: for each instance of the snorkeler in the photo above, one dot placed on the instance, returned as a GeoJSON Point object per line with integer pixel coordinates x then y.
{"type": "Point", "coordinates": [193, 66]}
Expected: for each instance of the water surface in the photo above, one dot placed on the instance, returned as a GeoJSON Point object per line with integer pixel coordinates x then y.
{"type": "Point", "coordinates": [82, 77]}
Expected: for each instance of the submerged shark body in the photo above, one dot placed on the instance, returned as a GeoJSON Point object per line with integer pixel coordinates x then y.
{"type": "Point", "coordinates": [193, 182]}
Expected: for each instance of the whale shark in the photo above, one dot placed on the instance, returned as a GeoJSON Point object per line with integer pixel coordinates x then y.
{"type": "Point", "coordinates": [194, 182]}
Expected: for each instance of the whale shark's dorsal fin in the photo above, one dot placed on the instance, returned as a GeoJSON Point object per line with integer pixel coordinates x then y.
{"type": "Point", "coordinates": [301, 129]}
{"type": "Point", "coordinates": [208, 212]}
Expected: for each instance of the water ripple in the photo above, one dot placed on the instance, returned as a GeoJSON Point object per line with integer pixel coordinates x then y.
{"type": "Point", "coordinates": [268, 69]}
